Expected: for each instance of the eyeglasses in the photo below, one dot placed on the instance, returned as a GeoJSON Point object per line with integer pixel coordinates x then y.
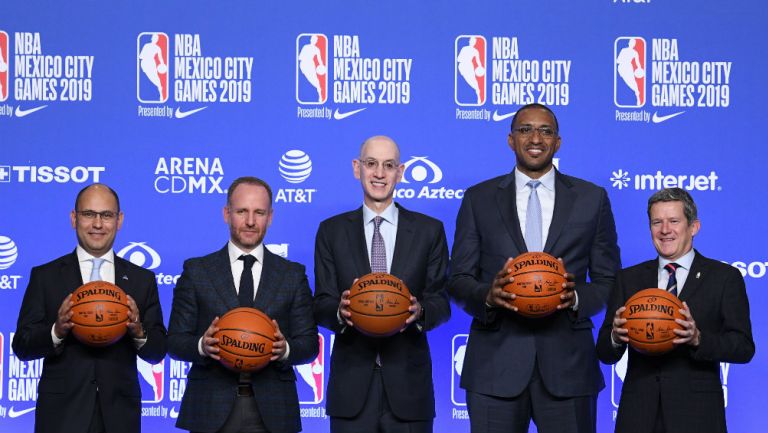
{"type": "Point", "coordinates": [372, 164]}
{"type": "Point", "coordinates": [527, 131]}
{"type": "Point", "coordinates": [106, 216]}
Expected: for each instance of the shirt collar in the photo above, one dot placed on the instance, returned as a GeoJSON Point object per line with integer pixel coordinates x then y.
{"type": "Point", "coordinates": [547, 181]}
{"type": "Point", "coordinates": [685, 261]}
{"type": "Point", "coordinates": [389, 214]}
{"type": "Point", "coordinates": [235, 252]}
{"type": "Point", "coordinates": [84, 256]}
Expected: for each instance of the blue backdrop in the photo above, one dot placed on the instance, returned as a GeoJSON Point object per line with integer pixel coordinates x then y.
{"type": "Point", "coordinates": [168, 102]}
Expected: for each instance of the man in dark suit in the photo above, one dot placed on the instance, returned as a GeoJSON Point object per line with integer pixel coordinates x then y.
{"type": "Point", "coordinates": [82, 388]}
{"type": "Point", "coordinates": [516, 368]}
{"type": "Point", "coordinates": [381, 384]}
{"type": "Point", "coordinates": [217, 399]}
{"type": "Point", "coordinates": [680, 391]}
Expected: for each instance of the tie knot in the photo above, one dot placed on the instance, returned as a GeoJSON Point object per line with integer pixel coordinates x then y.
{"type": "Point", "coordinates": [671, 267]}
{"type": "Point", "coordinates": [377, 222]}
{"type": "Point", "coordinates": [97, 262]}
{"type": "Point", "coordinates": [248, 260]}
{"type": "Point", "coordinates": [534, 184]}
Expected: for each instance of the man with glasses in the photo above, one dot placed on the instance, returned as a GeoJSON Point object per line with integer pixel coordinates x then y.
{"type": "Point", "coordinates": [515, 368]}
{"type": "Point", "coordinates": [82, 388]}
{"type": "Point", "coordinates": [381, 384]}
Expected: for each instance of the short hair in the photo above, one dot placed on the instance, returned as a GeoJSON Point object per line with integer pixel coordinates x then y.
{"type": "Point", "coordinates": [539, 106]}
{"type": "Point", "coordinates": [675, 194]}
{"type": "Point", "coordinates": [249, 180]}
{"type": "Point", "coordinates": [82, 191]}
{"type": "Point", "coordinates": [380, 137]}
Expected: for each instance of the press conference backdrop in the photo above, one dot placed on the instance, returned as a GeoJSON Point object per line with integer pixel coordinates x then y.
{"type": "Point", "coordinates": [168, 102]}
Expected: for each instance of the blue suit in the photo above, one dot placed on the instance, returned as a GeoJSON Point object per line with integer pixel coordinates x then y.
{"type": "Point", "coordinates": [206, 290]}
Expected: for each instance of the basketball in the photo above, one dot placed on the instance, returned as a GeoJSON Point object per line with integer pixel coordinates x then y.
{"type": "Point", "coordinates": [379, 304]}
{"type": "Point", "coordinates": [99, 313]}
{"type": "Point", "coordinates": [639, 73]}
{"type": "Point", "coordinates": [245, 339]}
{"type": "Point", "coordinates": [320, 70]}
{"type": "Point", "coordinates": [651, 315]}
{"type": "Point", "coordinates": [538, 283]}
{"type": "Point", "coordinates": [479, 71]}
{"type": "Point", "coordinates": [162, 68]}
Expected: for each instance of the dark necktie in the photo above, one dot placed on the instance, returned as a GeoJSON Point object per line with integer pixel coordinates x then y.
{"type": "Point", "coordinates": [378, 252]}
{"type": "Point", "coordinates": [246, 281]}
{"type": "Point", "coordinates": [672, 284]}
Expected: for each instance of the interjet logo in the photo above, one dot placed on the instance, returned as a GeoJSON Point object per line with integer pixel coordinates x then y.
{"type": "Point", "coordinates": [295, 166]}
{"type": "Point", "coordinates": [8, 252]}
{"type": "Point", "coordinates": [420, 169]}
{"type": "Point", "coordinates": [140, 254]}
{"type": "Point", "coordinates": [622, 179]}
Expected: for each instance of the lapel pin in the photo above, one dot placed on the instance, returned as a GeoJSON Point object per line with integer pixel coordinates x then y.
{"type": "Point", "coordinates": [125, 277]}
{"type": "Point", "coordinates": [698, 274]}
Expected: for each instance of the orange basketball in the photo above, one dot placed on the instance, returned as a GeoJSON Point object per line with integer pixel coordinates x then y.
{"type": "Point", "coordinates": [538, 283]}
{"type": "Point", "coordinates": [651, 315]}
{"type": "Point", "coordinates": [100, 312]}
{"type": "Point", "coordinates": [379, 304]}
{"type": "Point", "coordinates": [245, 339]}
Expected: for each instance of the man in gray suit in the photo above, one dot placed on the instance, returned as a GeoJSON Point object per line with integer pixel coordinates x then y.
{"type": "Point", "coordinates": [217, 399]}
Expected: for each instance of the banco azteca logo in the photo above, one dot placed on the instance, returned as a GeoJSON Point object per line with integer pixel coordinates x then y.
{"type": "Point", "coordinates": [140, 254]}
{"type": "Point", "coordinates": [8, 252]}
{"type": "Point", "coordinates": [421, 169]}
{"type": "Point", "coordinates": [295, 166]}
{"type": "Point", "coordinates": [620, 179]}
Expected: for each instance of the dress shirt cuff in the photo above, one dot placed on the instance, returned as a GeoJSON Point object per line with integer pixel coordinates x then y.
{"type": "Point", "coordinates": [200, 347]}
{"type": "Point", "coordinates": [616, 345]}
{"type": "Point", "coordinates": [56, 340]}
{"type": "Point", "coordinates": [138, 343]}
{"type": "Point", "coordinates": [575, 306]}
{"type": "Point", "coordinates": [287, 352]}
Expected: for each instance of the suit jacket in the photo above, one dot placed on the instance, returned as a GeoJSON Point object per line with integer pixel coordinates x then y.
{"type": "Point", "coordinates": [503, 346]}
{"type": "Point", "coordinates": [420, 260]}
{"type": "Point", "coordinates": [686, 380]}
{"type": "Point", "coordinates": [206, 290]}
{"type": "Point", "coordinates": [73, 372]}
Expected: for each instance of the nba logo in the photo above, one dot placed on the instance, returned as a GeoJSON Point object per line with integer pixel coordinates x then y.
{"type": "Point", "coordinates": [4, 65]}
{"type": "Point", "coordinates": [1, 363]}
{"type": "Point", "coordinates": [469, 76]}
{"type": "Point", "coordinates": [152, 67]}
{"type": "Point", "coordinates": [618, 372]}
{"type": "Point", "coordinates": [311, 391]}
{"type": "Point", "coordinates": [152, 390]}
{"type": "Point", "coordinates": [629, 72]}
{"type": "Point", "coordinates": [458, 349]}
{"type": "Point", "coordinates": [311, 68]}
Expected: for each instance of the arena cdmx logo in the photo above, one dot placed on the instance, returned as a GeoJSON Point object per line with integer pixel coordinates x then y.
{"type": "Point", "coordinates": [295, 167]}
{"type": "Point", "coordinates": [312, 68]}
{"type": "Point", "coordinates": [152, 69]}
{"type": "Point", "coordinates": [629, 75]}
{"type": "Point", "coordinates": [621, 179]}
{"type": "Point", "coordinates": [469, 84]}
{"type": "Point", "coordinates": [8, 252]}
{"type": "Point", "coordinates": [140, 254]}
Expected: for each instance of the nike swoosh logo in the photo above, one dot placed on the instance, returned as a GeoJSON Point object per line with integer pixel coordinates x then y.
{"type": "Point", "coordinates": [658, 119]}
{"type": "Point", "coordinates": [182, 114]}
{"type": "Point", "coordinates": [174, 412]}
{"type": "Point", "coordinates": [499, 117]}
{"type": "Point", "coordinates": [22, 113]}
{"type": "Point", "coordinates": [338, 115]}
{"type": "Point", "coordinates": [14, 414]}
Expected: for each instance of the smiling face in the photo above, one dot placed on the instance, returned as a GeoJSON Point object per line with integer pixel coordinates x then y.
{"type": "Point", "coordinates": [533, 151]}
{"type": "Point", "coordinates": [96, 235]}
{"type": "Point", "coordinates": [248, 213]}
{"type": "Point", "coordinates": [671, 233]}
{"type": "Point", "coordinates": [379, 170]}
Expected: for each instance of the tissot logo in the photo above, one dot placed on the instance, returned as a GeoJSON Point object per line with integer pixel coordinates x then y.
{"type": "Point", "coordinates": [140, 254]}
{"type": "Point", "coordinates": [621, 179]}
{"type": "Point", "coordinates": [420, 169]}
{"type": "Point", "coordinates": [751, 269]}
{"type": "Point", "coordinates": [50, 174]}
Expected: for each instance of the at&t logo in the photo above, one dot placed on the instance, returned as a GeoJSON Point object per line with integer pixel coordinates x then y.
{"type": "Point", "coordinates": [295, 167]}
{"type": "Point", "coordinates": [9, 253]}
{"type": "Point", "coordinates": [420, 169]}
{"type": "Point", "coordinates": [622, 179]}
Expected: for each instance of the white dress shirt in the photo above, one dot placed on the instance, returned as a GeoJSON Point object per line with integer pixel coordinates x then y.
{"type": "Point", "coordinates": [388, 230]}
{"type": "Point", "coordinates": [681, 274]}
{"type": "Point", "coordinates": [546, 193]}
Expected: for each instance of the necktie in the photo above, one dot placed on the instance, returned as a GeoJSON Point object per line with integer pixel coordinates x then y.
{"type": "Point", "coordinates": [672, 284]}
{"type": "Point", "coordinates": [95, 274]}
{"type": "Point", "coordinates": [245, 295]}
{"type": "Point", "coordinates": [533, 219]}
{"type": "Point", "coordinates": [378, 252]}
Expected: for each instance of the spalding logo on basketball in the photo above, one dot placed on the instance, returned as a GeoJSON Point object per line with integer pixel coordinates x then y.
{"type": "Point", "coordinates": [538, 283]}
{"type": "Point", "coordinates": [651, 315]}
{"type": "Point", "coordinates": [100, 313]}
{"type": "Point", "coordinates": [245, 339]}
{"type": "Point", "coordinates": [379, 304]}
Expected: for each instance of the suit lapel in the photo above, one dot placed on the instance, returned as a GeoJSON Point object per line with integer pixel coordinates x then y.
{"type": "Point", "coordinates": [121, 275]}
{"type": "Point", "coordinates": [70, 274]}
{"type": "Point", "coordinates": [355, 233]}
{"type": "Point", "coordinates": [269, 284]}
{"type": "Point", "coordinates": [650, 277]}
{"type": "Point", "coordinates": [220, 272]}
{"type": "Point", "coordinates": [506, 200]}
{"type": "Point", "coordinates": [693, 281]}
{"type": "Point", "coordinates": [404, 238]}
{"type": "Point", "coordinates": [564, 199]}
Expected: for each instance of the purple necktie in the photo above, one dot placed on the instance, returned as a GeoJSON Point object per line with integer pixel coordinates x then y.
{"type": "Point", "coordinates": [672, 284]}
{"type": "Point", "coordinates": [378, 252]}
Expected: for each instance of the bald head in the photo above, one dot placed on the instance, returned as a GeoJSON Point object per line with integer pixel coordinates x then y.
{"type": "Point", "coordinates": [379, 140]}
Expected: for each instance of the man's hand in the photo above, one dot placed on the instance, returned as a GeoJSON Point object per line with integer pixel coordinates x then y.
{"type": "Point", "coordinates": [344, 312]}
{"type": "Point", "coordinates": [690, 334]}
{"type": "Point", "coordinates": [279, 345]}
{"type": "Point", "coordinates": [416, 311]}
{"type": "Point", "coordinates": [211, 344]}
{"type": "Point", "coordinates": [619, 334]}
{"type": "Point", "coordinates": [568, 298]}
{"type": "Point", "coordinates": [497, 297]}
{"type": "Point", "coordinates": [135, 328]}
{"type": "Point", "coordinates": [64, 318]}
